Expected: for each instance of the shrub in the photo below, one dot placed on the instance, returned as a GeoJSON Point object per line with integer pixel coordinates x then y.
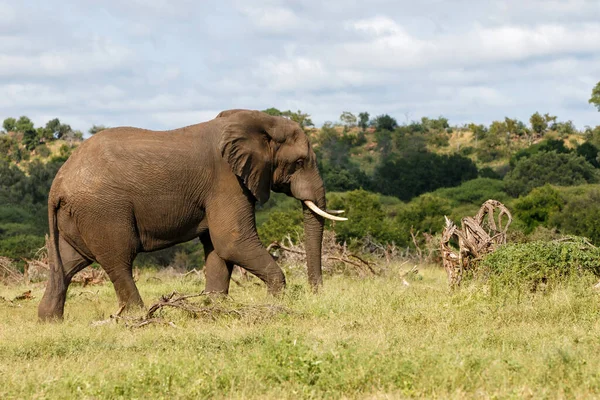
{"type": "Point", "coordinates": [420, 172]}
{"type": "Point", "coordinates": [280, 224]}
{"type": "Point", "coordinates": [475, 191]}
{"type": "Point", "coordinates": [367, 217]}
{"type": "Point", "coordinates": [540, 264]}
{"type": "Point", "coordinates": [466, 151]}
{"type": "Point", "coordinates": [20, 246]}
{"type": "Point", "coordinates": [548, 167]}
{"type": "Point", "coordinates": [423, 214]}
{"type": "Point", "coordinates": [487, 172]}
{"type": "Point", "coordinates": [544, 146]}
{"type": "Point", "coordinates": [43, 151]}
{"type": "Point", "coordinates": [181, 256]}
{"type": "Point", "coordinates": [580, 216]}
{"type": "Point", "coordinates": [590, 153]}
{"type": "Point", "coordinates": [538, 206]}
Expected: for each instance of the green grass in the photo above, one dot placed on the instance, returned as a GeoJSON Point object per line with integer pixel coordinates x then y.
{"type": "Point", "coordinates": [359, 338]}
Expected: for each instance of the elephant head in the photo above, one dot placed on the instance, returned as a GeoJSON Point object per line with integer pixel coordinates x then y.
{"type": "Point", "coordinates": [273, 153]}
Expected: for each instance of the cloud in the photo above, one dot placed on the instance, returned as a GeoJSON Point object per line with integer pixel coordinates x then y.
{"type": "Point", "coordinates": [271, 20]}
{"type": "Point", "coordinates": [161, 64]}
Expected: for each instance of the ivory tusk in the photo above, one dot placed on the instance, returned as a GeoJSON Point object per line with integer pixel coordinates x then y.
{"type": "Point", "coordinates": [335, 212]}
{"type": "Point", "coordinates": [322, 213]}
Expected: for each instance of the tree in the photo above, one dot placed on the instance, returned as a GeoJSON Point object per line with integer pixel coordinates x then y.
{"type": "Point", "coordinates": [590, 153]}
{"type": "Point", "coordinates": [479, 131]}
{"type": "Point", "coordinates": [539, 124]}
{"type": "Point", "coordinates": [24, 124]}
{"type": "Point", "coordinates": [538, 206]}
{"type": "Point", "coordinates": [580, 216]}
{"type": "Point", "coordinates": [55, 130]}
{"type": "Point", "coordinates": [551, 120]}
{"type": "Point", "coordinates": [511, 125]}
{"type": "Point", "coordinates": [6, 144]}
{"type": "Point", "coordinates": [549, 167]}
{"type": "Point", "coordinates": [368, 217]}
{"type": "Point", "coordinates": [271, 111]}
{"type": "Point", "coordinates": [348, 119]}
{"type": "Point", "coordinates": [595, 99]}
{"type": "Point", "coordinates": [77, 135]}
{"type": "Point", "coordinates": [338, 171]}
{"type": "Point", "coordinates": [31, 137]}
{"type": "Point", "coordinates": [385, 122]}
{"type": "Point", "coordinates": [98, 128]}
{"type": "Point", "coordinates": [9, 124]}
{"type": "Point", "coordinates": [544, 146]}
{"type": "Point", "coordinates": [438, 124]}
{"type": "Point", "coordinates": [363, 120]}
{"type": "Point", "coordinates": [301, 118]}
{"type": "Point", "coordinates": [419, 172]}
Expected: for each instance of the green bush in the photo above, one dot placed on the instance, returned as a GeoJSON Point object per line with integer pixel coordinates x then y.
{"type": "Point", "coordinates": [64, 153]}
{"type": "Point", "coordinates": [538, 265]}
{"type": "Point", "coordinates": [366, 217]}
{"type": "Point", "coordinates": [590, 153]}
{"type": "Point", "coordinates": [475, 191]}
{"type": "Point", "coordinates": [42, 150]}
{"type": "Point", "coordinates": [538, 206]}
{"type": "Point", "coordinates": [423, 214]}
{"type": "Point", "coordinates": [20, 246]}
{"type": "Point", "coordinates": [548, 167]}
{"type": "Point", "coordinates": [544, 146]}
{"type": "Point", "coordinates": [580, 216]}
{"type": "Point", "coordinates": [191, 253]}
{"type": "Point", "coordinates": [488, 172]}
{"type": "Point", "coordinates": [466, 151]}
{"type": "Point", "coordinates": [420, 172]}
{"type": "Point", "coordinates": [280, 224]}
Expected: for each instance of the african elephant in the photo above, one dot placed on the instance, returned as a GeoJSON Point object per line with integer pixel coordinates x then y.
{"type": "Point", "coordinates": [127, 190]}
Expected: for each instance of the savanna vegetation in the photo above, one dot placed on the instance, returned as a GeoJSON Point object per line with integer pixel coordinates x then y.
{"type": "Point", "coordinates": [360, 338]}
{"type": "Point", "coordinates": [524, 326]}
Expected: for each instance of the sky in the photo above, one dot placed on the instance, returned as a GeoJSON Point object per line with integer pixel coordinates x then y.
{"type": "Point", "coordinates": [164, 64]}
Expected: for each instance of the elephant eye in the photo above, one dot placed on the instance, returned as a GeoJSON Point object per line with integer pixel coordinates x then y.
{"type": "Point", "coordinates": [300, 163]}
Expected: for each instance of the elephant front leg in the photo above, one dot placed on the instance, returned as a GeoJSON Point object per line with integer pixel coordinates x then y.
{"type": "Point", "coordinates": [251, 255]}
{"type": "Point", "coordinates": [235, 240]}
{"type": "Point", "coordinates": [216, 270]}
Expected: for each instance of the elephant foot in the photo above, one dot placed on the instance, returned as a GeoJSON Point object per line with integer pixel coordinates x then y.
{"type": "Point", "coordinates": [52, 307]}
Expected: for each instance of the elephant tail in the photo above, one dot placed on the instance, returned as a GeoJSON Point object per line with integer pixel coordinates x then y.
{"type": "Point", "coordinates": [57, 273]}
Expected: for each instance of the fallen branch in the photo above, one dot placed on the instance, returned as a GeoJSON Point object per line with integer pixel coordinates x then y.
{"type": "Point", "coordinates": [331, 252]}
{"type": "Point", "coordinates": [193, 271]}
{"type": "Point", "coordinates": [23, 296]}
{"type": "Point", "coordinates": [8, 271]}
{"type": "Point", "coordinates": [181, 302]}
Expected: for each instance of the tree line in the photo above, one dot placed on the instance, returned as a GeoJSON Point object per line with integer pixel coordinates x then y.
{"type": "Point", "coordinates": [393, 178]}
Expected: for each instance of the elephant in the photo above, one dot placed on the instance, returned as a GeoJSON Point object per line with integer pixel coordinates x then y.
{"type": "Point", "coordinates": [128, 190]}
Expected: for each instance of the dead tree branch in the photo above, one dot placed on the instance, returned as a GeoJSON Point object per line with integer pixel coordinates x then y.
{"type": "Point", "coordinates": [477, 237]}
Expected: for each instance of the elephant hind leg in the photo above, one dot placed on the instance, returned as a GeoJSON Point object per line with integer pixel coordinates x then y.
{"type": "Point", "coordinates": [120, 272]}
{"type": "Point", "coordinates": [114, 242]}
{"type": "Point", "coordinates": [52, 304]}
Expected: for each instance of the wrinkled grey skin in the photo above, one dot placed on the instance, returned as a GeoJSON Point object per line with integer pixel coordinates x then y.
{"type": "Point", "coordinates": [128, 190]}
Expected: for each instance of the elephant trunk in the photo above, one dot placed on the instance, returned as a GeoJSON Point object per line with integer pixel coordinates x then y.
{"type": "Point", "coordinates": [313, 237]}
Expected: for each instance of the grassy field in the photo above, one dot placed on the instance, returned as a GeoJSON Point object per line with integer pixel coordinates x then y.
{"type": "Point", "coordinates": [359, 338]}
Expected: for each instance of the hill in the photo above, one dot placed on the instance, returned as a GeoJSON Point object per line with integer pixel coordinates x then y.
{"type": "Point", "coordinates": [402, 172]}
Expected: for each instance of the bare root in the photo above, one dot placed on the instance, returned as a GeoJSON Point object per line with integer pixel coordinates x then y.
{"type": "Point", "coordinates": [477, 237]}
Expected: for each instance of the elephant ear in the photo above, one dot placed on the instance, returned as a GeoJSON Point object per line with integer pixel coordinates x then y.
{"type": "Point", "coordinates": [246, 147]}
